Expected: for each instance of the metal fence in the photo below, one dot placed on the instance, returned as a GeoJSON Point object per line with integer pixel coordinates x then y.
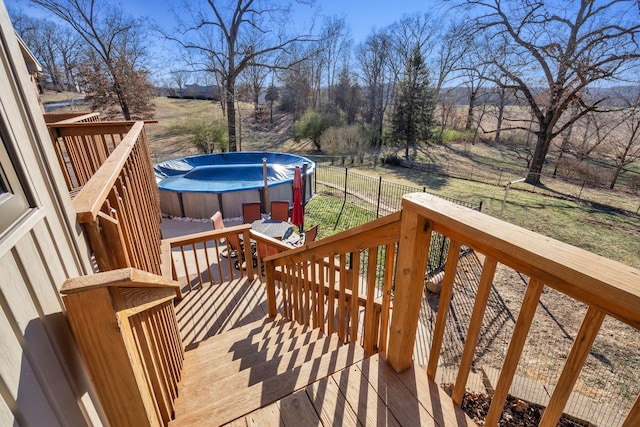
{"type": "Point", "coordinates": [374, 194]}
{"type": "Point", "coordinates": [564, 183]}
{"type": "Point", "coordinates": [364, 198]}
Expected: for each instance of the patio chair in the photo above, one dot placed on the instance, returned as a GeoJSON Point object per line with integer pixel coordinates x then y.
{"type": "Point", "coordinates": [251, 211]}
{"type": "Point", "coordinates": [280, 210]}
{"type": "Point", "coordinates": [309, 235]}
{"type": "Point", "coordinates": [234, 242]}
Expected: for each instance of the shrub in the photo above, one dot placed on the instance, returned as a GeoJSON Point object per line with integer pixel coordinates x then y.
{"type": "Point", "coordinates": [452, 135]}
{"type": "Point", "coordinates": [315, 122]}
{"type": "Point", "coordinates": [205, 134]}
{"type": "Point", "coordinates": [391, 159]}
{"type": "Point", "coordinates": [348, 142]}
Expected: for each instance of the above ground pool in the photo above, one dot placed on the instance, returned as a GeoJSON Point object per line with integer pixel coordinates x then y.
{"type": "Point", "coordinates": [198, 186]}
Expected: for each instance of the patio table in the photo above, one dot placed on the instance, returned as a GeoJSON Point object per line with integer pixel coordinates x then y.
{"type": "Point", "coordinates": [273, 228]}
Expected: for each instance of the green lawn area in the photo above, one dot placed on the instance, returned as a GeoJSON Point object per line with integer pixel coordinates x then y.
{"type": "Point", "coordinates": [609, 232]}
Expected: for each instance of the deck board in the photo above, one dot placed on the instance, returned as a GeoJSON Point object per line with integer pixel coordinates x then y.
{"type": "Point", "coordinates": [218, 308]}
{"type": "Point", "coordinates": [297, 410]}
{"type": "Point", "coordinates": [331, 404]}
{"type": "Point", "coordinates": [362, 397]}
{"type": "Point", "coordinates": [402, 404]}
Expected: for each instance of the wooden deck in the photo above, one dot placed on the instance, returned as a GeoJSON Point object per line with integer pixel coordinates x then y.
{"type": "Point", "coordinates": [244, 369]}
{"type": "Point", "coordinates": [219, 308]}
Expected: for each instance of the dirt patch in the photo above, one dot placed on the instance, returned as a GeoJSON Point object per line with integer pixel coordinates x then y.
{"type": "Point", "coordinates": [516, 412]}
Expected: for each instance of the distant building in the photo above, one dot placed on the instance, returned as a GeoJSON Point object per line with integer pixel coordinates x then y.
{"type": "Point", "coordinates": [195, 91]}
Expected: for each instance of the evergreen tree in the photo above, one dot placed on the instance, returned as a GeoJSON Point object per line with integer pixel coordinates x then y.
{"type": "Point", "coordinates": [414, 104]}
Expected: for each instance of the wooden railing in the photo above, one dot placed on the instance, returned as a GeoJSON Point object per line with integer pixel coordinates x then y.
{"type": "Point", "coordinates": [198, 257]}
{"type": "Point", "coordinates": [119, 206]}
{"type": "Point", "coordinates": [604, 286]}
{"type": "Point", "coordinates": [127, 332]}
{"type": "Point", "coordinates": [320, 284]}
{"type": "Point", "coordinates": [83, 144]}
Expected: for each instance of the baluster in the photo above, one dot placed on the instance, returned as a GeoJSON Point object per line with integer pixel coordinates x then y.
{"type": "Point", "coordinates": [443, 307]}
{"type": "Point", "coordinates": [475, 324]}
{"type": "Point", "coordinates": [572, 367]}
{"type": "Point", "coordinates": [518, 339]}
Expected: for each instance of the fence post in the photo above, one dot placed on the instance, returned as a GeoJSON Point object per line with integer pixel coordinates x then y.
{"type": "Point", "coordinates": [379, 194]}
{"type": "Point", "coordinates": [346, 173]}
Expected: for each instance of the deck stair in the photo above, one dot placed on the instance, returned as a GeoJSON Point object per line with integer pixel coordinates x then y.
{"type": "Point", "coordinates": [238, 372]}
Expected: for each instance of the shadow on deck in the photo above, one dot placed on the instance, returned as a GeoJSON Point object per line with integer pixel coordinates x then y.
{"type": "Point", "coordinates": [242, 368]}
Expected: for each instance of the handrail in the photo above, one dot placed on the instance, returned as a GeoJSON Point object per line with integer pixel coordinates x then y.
{"type": "Point", "coordinates": [347, 277]}
{"type": "Point", "coordinates": [88, 201]}
{"type": "Point", "coordinates": [119, 207]}
{"type": "Point", "coordinates": [69, 151]}
{"type": "Point", "coordinates": [60, 118]}
{"type": "Point", "coordinates": [127, 315]}
{"type": "Point", "coordinates": [605, 286]}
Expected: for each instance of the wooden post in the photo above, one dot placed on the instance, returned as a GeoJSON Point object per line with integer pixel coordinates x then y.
{"type": "Point", "coordinates": [267, 205]}
{"type": "Point", "coordinates": [415, 237]}
{"type": "Point", "coordinates": [271, 287]}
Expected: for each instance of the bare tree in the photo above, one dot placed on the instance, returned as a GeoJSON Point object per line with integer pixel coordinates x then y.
{"type": "Point", "coordinates": [70, 47]}
{"type": "Point", "coordinates": [336, 43]}
{"type": "Point", "coordinates": [454, 44]}
{"type": "Point", "coordinates": [218, 34]}
{"type": "Point", "coordinates": [42, 36]}
{"type": "Point", "coordinates": [115, 40]}
{"type": "Point", "coordinates": [626, 143]}
{"type": "Point", "coordinates": [179, 78]}
{"type": "Point", "coordinates": [373, 58]}
{"type": "Point", "coordinates": [564, 48]}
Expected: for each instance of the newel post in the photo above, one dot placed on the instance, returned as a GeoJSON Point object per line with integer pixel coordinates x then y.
{"type": "Point", "coordinates": [413, 252]}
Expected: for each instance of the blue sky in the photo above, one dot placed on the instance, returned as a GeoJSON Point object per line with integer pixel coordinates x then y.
{"type": "Point", "coordinates": [361, 16]}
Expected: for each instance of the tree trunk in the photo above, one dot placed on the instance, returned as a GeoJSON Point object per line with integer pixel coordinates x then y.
{"type": "Point", "coordinates": [616, 174]}
{"type": "Point", "coordinates": [500, 114]}
{"type": "Point", "coordinates": [123, 103]}
{"type": "Point", "coordinates": [563, 147]}
{"type": "Point", "coordinates": [231, 115]}
{"type": "Point", "coordinates": [537, 162]}
{"type": "Point", "coordinates": [271, 110]}
{"type": "Point", "coordinates": [472, 105]}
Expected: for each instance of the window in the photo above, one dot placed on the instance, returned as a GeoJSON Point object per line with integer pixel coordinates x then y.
{"type": "Point", "coordinates": [13, 200]}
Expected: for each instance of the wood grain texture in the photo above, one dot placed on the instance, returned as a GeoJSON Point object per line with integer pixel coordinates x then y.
{"type": "Point", "coordinates": [518, 339]}
{"type": "Point", "coordinates": [415, 238]}
{"type": "Point", "coordinates": [331, 404]}
{"type": "Point", "coordinates": [597, 281]}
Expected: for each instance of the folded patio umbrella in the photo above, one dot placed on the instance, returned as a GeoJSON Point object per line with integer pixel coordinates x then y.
{"type": "Point", "coordinates": [297, 215]}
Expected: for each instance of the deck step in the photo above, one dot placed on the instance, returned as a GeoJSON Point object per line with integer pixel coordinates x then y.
{"type": "Point", "coordinates": [219, 382]}
{"type": "Point", "coordinates": [237, 361]}
{"type": "Point", "coordinates": [252, 332]}
{"type": "Point", "coordinates": [239, 380]}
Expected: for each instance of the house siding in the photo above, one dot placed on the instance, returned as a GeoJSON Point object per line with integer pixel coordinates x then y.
{"type": "Point", "coordinates": [43, 381]}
